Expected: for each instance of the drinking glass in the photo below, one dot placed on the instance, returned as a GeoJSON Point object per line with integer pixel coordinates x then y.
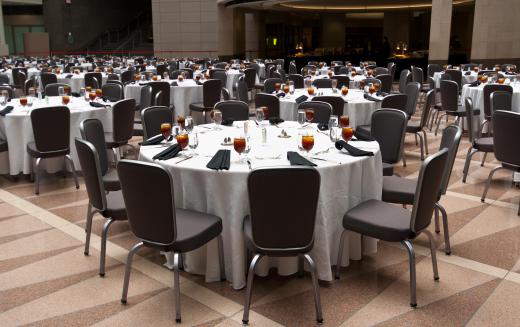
{"type": "Point", "coordinates": [259, 115]}
{"type": "Point", "coordinates": [181, 121]}
{"type": "Point", "coordinates": [30, 101]}
{"type": "Point", "coordinates": [334, 85]}
{"type": "Point", "coordinates": [92, 96]}
{"type": "Point", "coordinates": [266, 112]}
{"type": "Point", "coordinates": [217, 118]}
{"type": "Point", "coordinates": [99, 93]}
{"type": "Point", "coordinates": [335, 134]}
{"type": "Point", "coordinates": [82, 93]}
{"type": "Point", "coordinates": [193, 142]}
{"type": "Point", "coordinates": [308, 82]}
{"type": "Point", "coordinates": [5, 95]}
{"type": "Point", "coordinates": [333, 121]}
{"type": "Point", "coordinates": [239, 143]}
{"type": "Point", "coordinates": [3, 100]}
{"type": "Point", "coordinates": [61, 91]}
{"type": "Point", "coordinates": [344, 121]}
{"type": "Point", "coordinates": [309, 115]}
{"type": "Point", "coordinates": [346, 133]}
{"type": "Point", "coordinates": [291, 87]}
{"type": "Point", "coordinates": [307, 141]}
{"type": "Point", "coordinates": [344, 91]}
{"type": "Point", "coordinates": [188, 124]}
{"type": "Point", "coordinates": [166, 130]}
{"type": "Point", "coordinates": [23, 101]}
{"type": "Point", "coordinates": [182, 139]}
{"type": "Point", "coordinates": [301, 117]}
{"type": "Point", "coordinates": [65, 99]}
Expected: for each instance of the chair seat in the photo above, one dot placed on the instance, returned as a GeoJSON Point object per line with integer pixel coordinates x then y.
{"type": "Point", "coordinates": [380, 220]}
{"type": "Point", "coordinates": [194, 229]}
{"type": "Point", "coordinates": [111, 181]}
{"type": "Point", "coordinates": [109, 140]}
{"type": "Point", "coordinates": [413, 127]}
{"type": "Point", "coordinates": [3, 146]}
{"type": "Point", "coordinates": [248, 233]}
{"type": "Point", "coordinates": [33, 152]}
{"type": "Point", "coordinates": [115, 206]}
{"type": "Point", "coordinates": [484, 144]}
{"type": "Point", "coordinates": [398, 190]}
{"type": "Point", "coordinates": [388, 169]}
{"type": "Point", "coordinates": [199, 107]}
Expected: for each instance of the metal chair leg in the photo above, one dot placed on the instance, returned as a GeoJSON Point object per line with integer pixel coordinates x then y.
{"type": "Point", "coordinates": [301, 271]}
{"type": "Point", "coordinates": [425, 142]}
{"type": "Point", "coordinates": [104, 236]}
{"type": "Point", "coordinates": [411, 257]}
{"type": "Point", "coordinates": [403, 157]}
{"type": "Point", "coordinates": [488, 182]}
{"type": "Point", "coordinates": [221, 258]}
{"type": "Point", "coordinates": [447, 246]}
{"type": "Point", "coordinates": [434, 255]}
{"type": "Point", "coordinates": [483, 159]}
{"type": "Point", "coordinates": [249, 291]}
{"type": "Point", "coordinates": [73, 169]}
{"type": "Point", "coordinates": [316, 286]}
{"type": "Point", "coordinates": [416, 141]}
{"type": "Point", "coordinates": [114, 152]}
{"type": "Point", "coordinates": [88, 229]}
{"type": "Point", "coordinates": [436, 212]}
{"type": "Point", "coordinates": [37, 176]}
{"type": "Point", "coordinates": [421, 143]}
{"type": "Point", "coordinates": [439, 123]}
{"type": "Point", "coordinates": [177, 287]}
{"type": "Point", "coordinates": [470, 154]}
{"type": "Point", "coordinates": [340, 253]}
{"type": "Point", "coordinates": [128, 270]}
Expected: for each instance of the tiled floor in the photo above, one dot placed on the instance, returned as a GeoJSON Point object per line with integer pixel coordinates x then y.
{"type": "Point", "coordinates": [46, 280]}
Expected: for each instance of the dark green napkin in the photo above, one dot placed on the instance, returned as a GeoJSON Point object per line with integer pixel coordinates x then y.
{"type": "Point", "coordinates": [355, 152]}
{"type": "Point", "coordinates": [220, 161]}
{"type": "Point", "coordinates": [6, 110]}
{"type": "Point", "coordinates": [275, 120]}
{"type": "Point", "coordinates": [296, 160]}
{"type": "Point", "coordinates": [169, 153]}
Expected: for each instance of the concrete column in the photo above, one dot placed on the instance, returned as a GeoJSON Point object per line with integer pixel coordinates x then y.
{"type": "Point", "coordinates": [252, 40]}
{"type": "Point", "coordinates": [440, 30]}
{"type": "Point", "coordinates": [225, 31]}
{"type": "Point", "coordinates": [4, 48]}
{"type": "Point", "coordinates": [333, 29]}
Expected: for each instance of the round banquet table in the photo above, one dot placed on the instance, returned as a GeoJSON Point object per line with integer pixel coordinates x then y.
{"type": "Point", "coordinates": [16, 128]}
{"type": "Point", "coordinates": [358, 108]}
{"type": "Point", "coordinates": [466, 79]}
{"type": "Point", "coordinates": [476, 94]}
{"type": "Point", "coordinates": [346, 181]}
{"type": "Point", "coordinates": [77, 81]}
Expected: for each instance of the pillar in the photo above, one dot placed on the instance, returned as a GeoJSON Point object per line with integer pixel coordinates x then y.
{"type": "Point", "coordinates": [440, 29]}
{"type": "Point", "coordinates": [252, 37]}
{"type": "Point", "coordinates": [4, 48]}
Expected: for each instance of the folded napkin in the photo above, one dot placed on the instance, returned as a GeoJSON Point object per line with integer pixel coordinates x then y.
{"type": "Point", "coordinates": [301, 99]}
{"type": "Point", "coordinates": [220, 161]}
{"type": "Point", "coordinates": [174, 83]}
{"type": "Point", "coordinates": [6, 110]}
{"type": "Point", "coordinates": [510, 73]}
{"type": "Point", "coordinates": [474, 84]}
{"type": "Point", "coordinates": [382, 94]}
{"type": "Point", "coordinates": [323, 127]}
{"type": "Point", "coordinates": [467, 73]}
{"type": "Point", "coordinates": [97, 104]}
{"type": "Point", "coordinates": [68, 76]}
{"type": "Point", "coordinates": [275, 120]}
{"type": "Point", "coordinates": [110, 99]}
{"type": "Point", "coordinates": [169, 153]}
{"type": "Point", "coordinates": [296, 160]}
{"type": "Point", "coordinates": [227, 122]}
{"type": "Point", "coordinates": [371, 98]}
{"type": "Point", "coordinates": [198, 82]}
{"type": "Point", "coordinates": [75, 94]}
{"type": "Point", "coordinates": [355, 152]}
{"type": "Point", "coordinates": [143, 83]}
{"type": "Point", "coordinates": [154, 140]}
{"type": "Point", "coordinates": [363, 137]}
{"type": "Point", "coordinates": [280, 94]}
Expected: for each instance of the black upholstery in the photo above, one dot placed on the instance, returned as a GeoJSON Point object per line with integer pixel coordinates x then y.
{"type": "Point", "coordinates": [269, 84]}
{"type": "Point", "coordinates": [272, 102]}
{"type": "Point", "coordinates": [233, 110]}
{"type": "Point", "coordinates": [152, 118]}
{"type": "Point", "coordinates": [122, 123]}
{"type": "Point", "coordinates": [112, 91]}
{"type": "Point", "coordinates": [336, 102]}
{"type": "Point", "coordinates": [322, 111]}
{"type": "Point", "coordinates": [51, 129]}
{"type": "Point", "coordinates": [322, 83]}
{"type": "Point", "coordinates": [51, 90]}
{"type": "Point", "coordinates": [94, 80]}
{"type": "Point", "coordinates": [297, 79]}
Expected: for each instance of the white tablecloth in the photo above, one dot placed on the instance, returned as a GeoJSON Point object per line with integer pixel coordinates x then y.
{"type": "Point", "coordinates": [477, 96]}
{"type": "Point", "coordinates": [16, 128]}
{"type": "Point", "coordinates": [77, 81]}
{"type": "Point", "coordinates": [356, 106]}
{"type": "Point", "coordinates": [31, 72]}
{"type": "Point", "coordinates": [466, 79]}
{"type": "Point", "coordinates": [345, 182]}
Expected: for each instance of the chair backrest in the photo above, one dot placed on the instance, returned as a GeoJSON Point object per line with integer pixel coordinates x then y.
{"type": "Point", "coordinates": [51, 90]}
{"type": "Point", "coordinates": [146, 97]}
{"type": "Point", "coordinates": [395, 101]}
{"type": "Point", "coordinates": [417, 74]}
{"type": "Point", "coordinates": [297, 79]}
{"type": "Point", "coordinates": [91, 170]}
{"type": "Point", "coordinates": [426, 193]}
{"type": "Point", "coordinates": [343, 80]}
{"type": "Point", "coordinates": [501, 100]}
{"type": "Point", "coordinates": [250, 77]}
{"type": "Point", "coordinates": [472, 131]}
{"type": "Point", "coordinates": [322, 83]}
{"type": "Point", "coordinates": [221, 75]}
{"type": "Point", "coordinates": [161, 69]}
{"type": "Point", "coordinates": [490, 88]}
{"type": "Point", "coordinates": [4, 79]}
{"type": "Point", "coordinates": [388, 128]}
{"type": "Point", "coordinates": [455, 75]}
{"type": "Point", "coordinates": [152, 118]}
{"type": "Point", "coordinates": [386, 82]}
{"type": "Point", "coordinates": [272, 102]}
{"type": "Point", "coordinates": [404, 78]}
{"type": "Point", "coordinates": [274, 226]}
{"type": "Point", "coordinates": [242, 93]}
{"type": "Point", "coordinates": [412, 91]}
{"type": "Point", "coordinates": [292, 68]}
{"type": "Point", "coordinates": [322, 110]}
{"type": "Point", "coordinates": [92, 131]}
{"type": "Point", "coordinates": [51, 128]}
{"type": "Point", "coordinates": [211, 92]}
{"type": "Point", "coordinates": [112, 77]}
{"type": "Point", "coordinates": [506, 133]}
{"type": "Point", "coordinates": [114, 92]}
{"type": "Point", "coordinates": [430, 99]}
{"type": "Point", "coordinates": [343, 71]}
{"type": "Point", "coordinates": [127, 76]}
{"type": "Point", "coordinates": [19, 76]}
{"type": "Point", "coordinates": [123, 114]}
{"type": "Point", "coordinates": [48, 78]}
{"type": "Point", "coordinates": [149, 200]}
{"type": "Point", "coordinates": [233, 110]}
{"type": "Point", "coordinates": [372, 80]}
{"type": "Point", "coordinates": [450, 140]}
{"type": "Point", "coordinates": [94, 80]}
{"type": "Point", "coordinates": [269, 84]}
{"type": "Point", "coordinates": [225, 94]}
{"type": "Point", "coordinates": [381, 71]}
{"type": "Point", "coordinates": [433, 68]}
{"type": "Point", "coordinates": [8, 89]}
{"type": "Point", "coordinates": [164, 88]}
{"type": "Point", "coordinates": [188, 72]}
{"type": "Point", "coordinates": [336, 102]}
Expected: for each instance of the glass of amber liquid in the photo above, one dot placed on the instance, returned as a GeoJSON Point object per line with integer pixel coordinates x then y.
{"type": "Point", "coordinates": [277, 87]}
{"type": "Point", "coordinates": [310, 91]}
{"type": "Point", "coordinates": [309, 115]}
{"type": "Point", "coordinates": [239, 143]}
{"type": "Point", "coordinates": [65, 99]}
{"type": "Point", "coordinates": [181, 121]}
{"type": "Point", "coordinates": [182, 139]}
{"type": "Point", "coordinates": [166, 130]}
{"type": "Point", "coordinates": [344, 121]}
{"type": "Point", "coordinates": [307, 142]}
{"type": "Point", "coordinates": [347, 133]}
{"type": "Point", "coordinates": [23, 101]}
{"type": "Point", "coordinates": [92, 96]}
{"type": "Point", "coordinates": [344, 91]}
{"type": "Point", "coordinates": [266, 112]}
{"type": "Point", "coordinates": [99, 93]}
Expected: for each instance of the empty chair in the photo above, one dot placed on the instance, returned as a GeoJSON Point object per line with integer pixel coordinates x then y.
{"type": "Point", "coordinates": [488, 89]}
{"type": "Point", "coordinates": [51, 90]}
{"type": "Point", "coordinates": [242, 93]}
{"type": "Point", "coordinates": [29, 84]}
{"type": "Point", "coordinates": [225, 94]}
{"type": "Point", "coordinates": [3, 146]}
{"type": "Point", "coordinates": [250, 77]}
{"type": "Point", "coordinates": [152, 118]}
{"type": "Point", "coordinates": [112, 92]}
{"type": "Point", "coordinates": [127, 76]}
{"type": "Point", "coordinates": [211, 90]}
{"type": "Point", "coordinates": [221, 65]}
{"type": "Point", "coordinates": [111, 206]}
{"type": "Point", "coordinates": [51, 129]}
{"type": "Point", "coordinates": [412, 91]}
{"type": "Point", "coordinates": [343, 71]}
{"type": "Point", "coordinates": [269, 84]}
{"type": "Point", "coordinates": [4, 79]}
{"type": "Point", "coordinates": [161, 69]}
{"type": "Point", "coordinates": [404, 78]}
{"type": "Point", "coordinates": [322, 110]}
{"type": "Point", "coordinates": [418, 128]}
{"type": "Point", "coordinates": [500, 100]}
{"type": "Point", "coordinates": [272, 102]}
{"type": "Point", "coordinates": [322, 83]}
{"type": "Point", "coordinates": [507, 131]}
{"type": "Point", "coordinates": [145, 100]}
{"type": "Point", "coordinates": [392, 101]}
{"type": "Point", "coordinates": [292, 68]}
{"type": "Point", "coordinates": [343, 80]}
{"type": "Point", "coordinates": [149, 194]}
{"type": "Point", "coordinates": [386, 82]}
{"type": "Point", "coordinates": [391, 69]}
{"type": "Point", "coordinates": [450, 102]}
{"type": "Point", "coordinates": [94, 80]}
{"type": "Point", "coordinates": [48, 78]}
{"type": "Point", "coordinates": [160, 93]}
{"type": "Point", "coordinates": [123, 113]}
{"type": "Point", "coordinates": [221, 75]}
{"type": "Point", "coordinates": [388, 128]}
{"type": "Point", "coordinates": [188, 72]}
{"type": "Point", "coordinates": [270, 230]}
{"type": "Point", "coordinates": [390, 223]}
{"type": "Point", "coordinates": [8, 89]}
{"type": "Point", "coordinates": [19, 77]}
{"type": "Point", "coordinates": [402, 190]}
{"type": "Point", "coordinates": [297, 80]}
{"type": "Point", "coordinates": [92, 131]}
{"type": "Point", "coordinates": [233, 110]}
{"type": "Point", "coordinates": [456, 76]}
{"type": "Point", "coordinates": [336, 102]}
{"type": "Point", "coordinates": [433, 68]}
{"type": "Point", "coordinates": [478, 144]}
{"type": "Point", "coordinates": [381, 71]}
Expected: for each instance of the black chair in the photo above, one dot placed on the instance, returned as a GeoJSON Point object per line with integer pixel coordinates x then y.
{"type": "Point", "coordinates": [219, 74]}
{"type": "Point", "coordinates": [393, 101]}
{"type": "Point", "coordinates": [51, 90]}
{"type": "Point", "coordinates": [456, 76]}
{"type": "Point", "coordinates": [3, 146]}
{"type": "Point", "coordinates": [19, 76]}
{"type": "Point", "coordinates": [343, 80]}
{"type": "Point", "coordinates": [507, 129]}
{"type": "Point", "coordinates": [270, 230]}
{"type": "Point", "coordinates": [412, 91]}
{"type": "Point", "coordinates": [487, 91]}
{"type": "Point", "coordinates": [250, 78]}
{"type": "Point", "coordinates": [211, 90]}
{"type": "Point", "coordinates": [113, 92]}
{"type": "Point", "coordinates": [92, 131]}
{"type": "Point", "coordinates": [242, 93]}
{"type": "Point", "coordinates": [48, 78]}
{"type": "Point", "coordinates": [225, 94]}
{"type": "Point", "coordinates": [386, 82]}
{"type": "Point", "coordinates": [322, 83]}
{"type": "Point", "coordinates": [161, 69]}
{"type": "Point", "coordinates": [233, 110]}
{"type": "Point", "coordinates": [343, 71]}
{"type": "Point", "coordinates": [478, 144]}
{"type": "Point", "coordinates": [501, 100]}
{"type": "Point", "coordinates": [152, 118]}
{"type": "Point", "coordinates": [110, 205]}
{"type": "Point", "coordinates": [272, 102]}
{"type": "Point", "coordinates": [336, 102]}
{"type": "Point", "coordinates": [381, 71]}
{"type": "Point", "coordinates": [148, 194]}
{"type": "Point", "coordinates": [404, 78]}
{"type": "Point", "coordinates": [94, 80]}
{"type": "Point", "coordinates": [433, 68]}
{"type": "Point", "coordinates": [123, 114]}
{"type": "Point", "coordinates": [127, 76]}
{"type": "Point", "coordinates": [160, 93]}
{"type": "Point", "coordinates": [418, 128]}
{"type": "Point", "coordinates": [322, 110]}
{"type": "Point", "coordinates": [292, 68]}
{"type": "Point", "coordinates": [388, 128]}
{"type": "Point", "coordinates": [391, 69]}
{"type": "Point", "coordinates": [51, 129]}
{"type": "Point", "coordinates": [297, 80]}
{"type": "Point", "coordinates": [269, 84]}
{"type": "Point", "coordinates": [402, 190]}
{"type": "Point", "coordinates": [390, 223]}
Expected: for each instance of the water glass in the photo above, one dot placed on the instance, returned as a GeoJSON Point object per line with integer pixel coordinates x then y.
{"type": "Point", "coordinates": [188, 124]}
{"type": "Point", "coordinates": [259, 115]}
{"type": "Point", "coordinates": [291, 87]}
{"type": "Point", "coordinates": [61, 91]}
{"type": "Point", "coordinates": [301, 117]}
{"type": "Point", "coordinates": [335, 134]}
{"type": "Point", "coordinates": [217, 118]}
{"type": "Point", "coordinates": [333, 121]}
{"type": "Point", "coordinates": [194, 142]}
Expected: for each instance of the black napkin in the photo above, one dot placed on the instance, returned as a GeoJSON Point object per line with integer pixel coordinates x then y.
{"type": "Point", "coordinates": [198, 82]}
{"type": "Point", "coordinates": [382, 94]}
{"type": "Point", "coordinates": [75, 94]}
{"type": "Point", "coordinates": [174, 83]}
{"type": "Point", "coordinates": [301, 99]}
{"type": "Point", "coordinates": [323, 127]}
{"type": "Point", "coordinates": [363, 137]}
{"type": "Point", "coordinates": [97, 104]}
{"type": "Point", "coordinates": [220, 161]}
{"type": "Point", "coordinates": [68, 76]}
{"type": "Point", "coordinates": [154, 140]}
{"type": "Point", "coordinates": [143, 83]}
{"type": "Point", "coordinates": [169, 153]}
{"type": "Point", "coordinates": [296, 160]}
{"type": "Point", "coordinates": [474, 84]}
{"type": "Point", "coordinates": [371, 98]}
{"type": "Point", "coordinates": [110, 99]}
{"type": "Point", "coordinates": [227, 122]}
{"type": "Point", "coordinates": [6, 110]}
{"type": "Point", "coordinates": [275, 120]}
{"type": "Point", "coordinates": [467, 73]}
{"type": "Point", "coordinates": [280, 94]}
{"type": "Point", "coordinates": [355, 152]}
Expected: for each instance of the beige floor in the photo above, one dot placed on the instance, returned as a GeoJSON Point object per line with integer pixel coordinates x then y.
{"type": "Point", "coordinates": [46, 280]}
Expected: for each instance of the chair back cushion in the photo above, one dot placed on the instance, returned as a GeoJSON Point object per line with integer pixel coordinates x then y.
{"type": "Point", "coordinates": [51, 128]}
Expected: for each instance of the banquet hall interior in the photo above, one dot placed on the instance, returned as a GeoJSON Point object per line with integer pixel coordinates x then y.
{"type": "Point", "coordinates": [259, 162]}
